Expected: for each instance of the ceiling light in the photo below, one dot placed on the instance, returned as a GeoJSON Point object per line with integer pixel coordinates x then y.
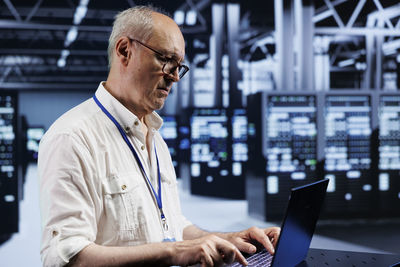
{"type": "Point", "coordinates": [179, 17]}
{"type": "Point", "coordinates": [61, 62]}
{"type": "Point", "coordinates": [80, 13]}
{"type": "Point", "coordinates": [361, 66]}
{"type": "Point", "coordinates": [65, 53]}
{"type": "Point", "coordinates": [71, 36]}
{"type": "Point", "coordinates": [191, 17]}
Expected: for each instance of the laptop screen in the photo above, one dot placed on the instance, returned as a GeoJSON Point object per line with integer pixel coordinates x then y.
{"type": "Point", "coordinates": [299, 223]}
{"type": "Point", "coordinates": [297, 227]}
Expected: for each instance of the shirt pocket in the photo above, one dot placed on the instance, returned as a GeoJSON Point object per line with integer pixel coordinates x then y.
{"type": "Point", "coordinates": [125, 203]}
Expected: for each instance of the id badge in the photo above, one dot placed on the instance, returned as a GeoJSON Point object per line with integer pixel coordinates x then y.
{"type": "Point", "coordinates": [168, 236]}
{"type": "Point", "coordinates": [172, 239]}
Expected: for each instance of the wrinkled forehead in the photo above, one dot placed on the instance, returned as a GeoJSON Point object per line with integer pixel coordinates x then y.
{"type": "Point", "coordinates": [167, 37]}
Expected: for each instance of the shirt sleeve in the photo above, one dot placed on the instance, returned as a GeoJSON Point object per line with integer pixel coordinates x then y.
{"type": "Point", "coordinates": [68, 198]}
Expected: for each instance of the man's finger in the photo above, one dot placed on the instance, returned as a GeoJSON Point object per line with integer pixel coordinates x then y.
{"type": "Point", "coordinates": [207, 260]}
{"type": "Point", "coordinates": [231, 253]}
{"type": "Point", "coordinates": [240, 258]}
{"type": "Point", "coordinates": [263, 239]}
{"type": "Point", "coordinates": [273, 233]}
{"type": "Point", "coordinates": [228, 256]}
{"type": "Point", "coordinates": [248, 248]}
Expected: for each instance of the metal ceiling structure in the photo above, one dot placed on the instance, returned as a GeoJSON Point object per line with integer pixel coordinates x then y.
{"type": "Point", "coordinates": [363, 38]}
{"type": "Point", "coordinates": [35, 40]}
{"type": "Point", "coordinates": [49, 45]}
{"type": "Point", "coordinates": [360, 38]}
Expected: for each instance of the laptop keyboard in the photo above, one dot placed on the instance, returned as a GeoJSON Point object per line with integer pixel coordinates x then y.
{"type": "Point", "coordinates": [262, 258]}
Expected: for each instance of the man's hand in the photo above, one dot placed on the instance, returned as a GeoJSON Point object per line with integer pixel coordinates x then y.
{"type": "Point", "coordinates": [209, 250]}
{"type": "Point", "coordinates": [247, 240]}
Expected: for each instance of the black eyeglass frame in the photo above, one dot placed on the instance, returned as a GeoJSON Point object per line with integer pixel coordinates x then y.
{"type": "Point", "coordinates": [167, 59]}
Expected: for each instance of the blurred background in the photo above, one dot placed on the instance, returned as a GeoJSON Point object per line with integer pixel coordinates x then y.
{"type": "Point", "coordinates": [279, 94]}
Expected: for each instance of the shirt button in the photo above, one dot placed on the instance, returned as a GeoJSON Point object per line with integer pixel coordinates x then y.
{"type": "Point", "coordinates": [142, 147]}
{"type": "Point", "coordinates": [54, 233]}
{"type": "Point", "coordinates": [123, 187]}
{"type": "Point", "coordinates": [136, 123]}
{"type": "Point", "coordinates": [127, 129]}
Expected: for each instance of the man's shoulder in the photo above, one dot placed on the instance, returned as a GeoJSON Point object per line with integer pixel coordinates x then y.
{"type": "Point", "coordinates": [79, 118]}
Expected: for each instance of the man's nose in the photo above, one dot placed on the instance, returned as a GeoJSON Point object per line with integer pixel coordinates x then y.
{"type": "Point", "coordinates": [173, 76]}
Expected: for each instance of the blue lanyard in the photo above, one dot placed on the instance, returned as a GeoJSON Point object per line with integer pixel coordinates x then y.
{"type": "Point", "coordinates": [157, 196]}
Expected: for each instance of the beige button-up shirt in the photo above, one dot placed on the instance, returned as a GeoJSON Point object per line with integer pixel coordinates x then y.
{"type": "Point", "coordinates": [91, 187]}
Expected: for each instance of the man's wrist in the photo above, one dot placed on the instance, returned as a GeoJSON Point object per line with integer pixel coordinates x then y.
{"type": "Point", "coordinates": [169, 253]}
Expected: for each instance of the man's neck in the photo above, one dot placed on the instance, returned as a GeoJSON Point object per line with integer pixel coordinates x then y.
{"type": "Point", "coordinates": [144, 128]}
{"type": "Point", "coordinates": [138, 114]}
{"type": "Point", "coordinates": [119, 96]}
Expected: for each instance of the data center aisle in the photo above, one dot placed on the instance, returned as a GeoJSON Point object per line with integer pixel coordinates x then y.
{"type": "Point", "coordinates": [377, 234]}
{"type": "Point", "coordinates": [23, 249]}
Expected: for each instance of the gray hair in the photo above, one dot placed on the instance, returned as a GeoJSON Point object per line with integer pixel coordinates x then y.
{"type": "Point", "coordinates": [135, 22]}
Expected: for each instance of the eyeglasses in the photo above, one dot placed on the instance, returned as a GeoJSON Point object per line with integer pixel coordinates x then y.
{"type": "Point", "coordinates": [170, 65]}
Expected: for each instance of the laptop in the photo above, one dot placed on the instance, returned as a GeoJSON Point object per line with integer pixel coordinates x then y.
{"type": "Point", "coordinates": [297, 228]}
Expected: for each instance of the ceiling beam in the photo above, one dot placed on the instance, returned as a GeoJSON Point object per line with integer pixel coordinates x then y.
{"type": "Point", "coordinates": [325, 8]}
{"type": "Point", "coordinates": [16, 25]}
{"type": "Point", "coordinates": [30, 51]}
{"type": "Point", "coordinates": [57, 79]}
{"type": "Point", "coordinates": [335, 15]}
{"type": "Point", "coordinates": [55, 12]}
{"type": "Point", "coordinates": [49, 86]}
{"type": "Point", "coordinates": [356, 31]}
{"type": "Point", "coordinates": [355, 13]}
{"type": "Point", "coordinates": [67, 68]}
{"type": "Point", "coordinates": [33, 10]}
{"type": "Point", "coordinates": [12, 24]}
{"type": "Point", "coordinates": [12, 9]}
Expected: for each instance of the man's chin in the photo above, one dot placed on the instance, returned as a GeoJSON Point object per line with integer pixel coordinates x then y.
{"type": "Point", "coordinates": [158, 105]}
{"type": "Point", "coordinates": [157, 102]}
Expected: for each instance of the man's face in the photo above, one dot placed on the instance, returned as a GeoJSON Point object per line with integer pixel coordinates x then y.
{"type": "Point", "coordinates": [148, 86]}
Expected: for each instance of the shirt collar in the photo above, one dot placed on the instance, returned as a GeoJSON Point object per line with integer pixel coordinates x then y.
{"type": "Point", "coordinates": [125, 117]}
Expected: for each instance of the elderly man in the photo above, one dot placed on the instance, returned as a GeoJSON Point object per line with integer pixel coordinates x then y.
{"type": "Point", "coordinates": [107, 184]}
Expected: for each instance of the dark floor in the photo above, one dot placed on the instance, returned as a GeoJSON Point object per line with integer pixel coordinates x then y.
{"type": "Point", "coordinates": [378, 234]}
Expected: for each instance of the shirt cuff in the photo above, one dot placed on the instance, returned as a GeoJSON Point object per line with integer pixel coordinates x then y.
{"type": "Point", "coordinates": [61, 251]}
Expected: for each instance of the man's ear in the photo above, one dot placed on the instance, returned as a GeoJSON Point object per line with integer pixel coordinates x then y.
{"type": "Point", "coordinates": [122, 50]}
